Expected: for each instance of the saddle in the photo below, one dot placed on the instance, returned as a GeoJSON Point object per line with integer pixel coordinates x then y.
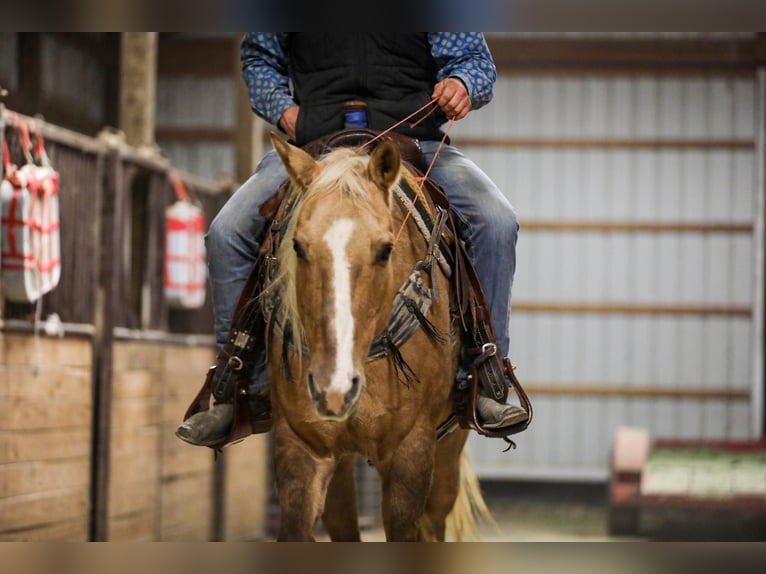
{"type": "Point", "coordinates": [481, 366]}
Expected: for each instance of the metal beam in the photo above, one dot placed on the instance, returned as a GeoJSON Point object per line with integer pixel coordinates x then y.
{"type": "Point", "coordinates": [602, 226]}
{"type": "Point", "coordinates": [758, 422]}
{"type": "Point", "coordinates": [638, 391]}
{"type": "Point", "coordinates": [608, 143]}
{"type": "Point", "coordinates": [707, 53]}
{"type": "Point", "coordinates": [633, 309]}
{"type": "Point", "coordinates": [199, 56]}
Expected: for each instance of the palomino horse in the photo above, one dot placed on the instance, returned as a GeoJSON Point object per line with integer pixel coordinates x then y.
{"type": "Point", "coordinates": [339, 271]}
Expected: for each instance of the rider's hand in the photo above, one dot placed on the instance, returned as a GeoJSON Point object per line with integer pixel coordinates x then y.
{"type": "Point", "coordinates": [453, 98]}
{"type": "Point", "coordinates": [288, 120]}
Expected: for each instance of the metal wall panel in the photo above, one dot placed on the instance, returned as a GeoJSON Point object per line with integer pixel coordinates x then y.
{"type": "Point", "coordinates": [194, 103]}
{"type": "Point", "coordinates": [9, 56]}
{"type": "Point", "coordinates": [210, 160]}
{"type": "Point", "coordinates": [73, 77]}
{"type": "Point", "coordinates": [601, 149]}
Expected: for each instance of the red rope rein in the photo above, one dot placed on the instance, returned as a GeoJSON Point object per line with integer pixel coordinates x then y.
{"type": "Point", "coordinates": [421, 180]}
{"type": "Point", "coordinates": [400, 122]}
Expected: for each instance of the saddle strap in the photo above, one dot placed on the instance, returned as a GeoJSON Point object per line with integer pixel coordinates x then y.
{"type": "Point", "coordinates": [488, 369]}
{"type": "Point", "coordinates": [228, 379]}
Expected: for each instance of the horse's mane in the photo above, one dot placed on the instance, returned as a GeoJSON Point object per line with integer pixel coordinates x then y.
{"type": "Point", "coordinates": [342, 170]}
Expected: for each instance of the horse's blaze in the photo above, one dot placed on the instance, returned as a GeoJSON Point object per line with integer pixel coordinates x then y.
{"type": "Point", "coordinates": [338, 398]}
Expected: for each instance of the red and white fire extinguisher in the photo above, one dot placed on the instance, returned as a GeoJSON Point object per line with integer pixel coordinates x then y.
{"type": "Point", "coordinates": [185, 260]}
{"type": "Point", "coordinates": [31, 240]}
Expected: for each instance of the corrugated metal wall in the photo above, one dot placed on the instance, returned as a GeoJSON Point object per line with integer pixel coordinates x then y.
{"type": "Point", "coordinates": [198, 103]}
{"type": "Point", "coordinates": [632, 299]}
{"type": "Point", "coordinates": [74, 77]}
{"type": "Point", "coordinates": [9, 53]}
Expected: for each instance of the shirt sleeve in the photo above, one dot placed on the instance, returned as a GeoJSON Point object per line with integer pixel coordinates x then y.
{"type": "Point", "coordinates": [465, 55]}
{"type": "Point", "coordinates": [264, 69]}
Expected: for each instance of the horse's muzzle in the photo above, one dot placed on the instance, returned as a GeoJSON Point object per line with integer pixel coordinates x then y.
{"type": "Point", "coordinates": [331, 404]}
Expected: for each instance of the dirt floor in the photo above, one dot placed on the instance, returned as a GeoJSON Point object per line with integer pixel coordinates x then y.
{"type": "Point", "coordinates": [546, 513]}
{"type": "Point", "coordinates": [555, 512]}
{"type": "Point", "coordinates": [540, 513]}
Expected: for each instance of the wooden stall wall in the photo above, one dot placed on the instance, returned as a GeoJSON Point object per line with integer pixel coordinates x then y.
{"type": "Point", "coordinates": [188, 497]}
{"type": "Point", "coordinates": [247, 489]}
{"type": "Point", "coordinates": [45, 437]}
{"type": "Point", "coordinates": [87, 419]}
{"type": "Point", "coordinates": [160, 487]}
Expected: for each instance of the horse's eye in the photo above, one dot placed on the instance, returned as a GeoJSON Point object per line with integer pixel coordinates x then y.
{"type": "Point", "coordinates": [384, 253]}
{"type": "Point", "coordinates": [299, 251]}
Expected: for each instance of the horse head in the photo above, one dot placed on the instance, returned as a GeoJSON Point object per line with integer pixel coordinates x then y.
{"type": "Point", "coordinates": [335, 265]}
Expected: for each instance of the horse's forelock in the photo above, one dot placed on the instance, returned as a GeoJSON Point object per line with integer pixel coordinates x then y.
{"type": "Point", "coordinates": [341, 170]}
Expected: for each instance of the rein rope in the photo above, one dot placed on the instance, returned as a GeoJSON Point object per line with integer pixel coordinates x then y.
{"type": "Point", "coordinates": [421, 180]}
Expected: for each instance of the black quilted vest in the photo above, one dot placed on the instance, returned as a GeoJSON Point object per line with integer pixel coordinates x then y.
{"type": "Point", "coordinates": [394, 73]}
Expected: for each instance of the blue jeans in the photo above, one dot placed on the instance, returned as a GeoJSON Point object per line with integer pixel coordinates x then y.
{"type": "Point", "coordinates": [491, 230]}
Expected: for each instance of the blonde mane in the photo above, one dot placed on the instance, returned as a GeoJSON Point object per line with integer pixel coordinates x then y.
{"type": "Point", "coordinates": [343, 171]}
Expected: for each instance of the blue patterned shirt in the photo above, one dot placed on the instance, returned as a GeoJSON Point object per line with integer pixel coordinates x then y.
{"type": "Point", "coordinates": [463, 55]}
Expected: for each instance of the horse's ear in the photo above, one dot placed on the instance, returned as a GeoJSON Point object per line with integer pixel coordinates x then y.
{"type": "Point", "coordinates": [299, 165]}
{"type": "Point", "coordinates": [384, 165]}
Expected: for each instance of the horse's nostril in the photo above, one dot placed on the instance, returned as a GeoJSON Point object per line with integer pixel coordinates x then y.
{"type": "Point", "coordinates": [313, 388]}
{"type": "Point", "coordinates": [353, 392]}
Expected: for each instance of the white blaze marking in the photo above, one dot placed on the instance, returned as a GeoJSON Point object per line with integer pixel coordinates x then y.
{"type": "Point", "coordinates": [337, 238]}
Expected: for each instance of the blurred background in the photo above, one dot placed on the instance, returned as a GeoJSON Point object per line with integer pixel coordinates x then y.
{"type": "Point", "coordinates": [635, 163]}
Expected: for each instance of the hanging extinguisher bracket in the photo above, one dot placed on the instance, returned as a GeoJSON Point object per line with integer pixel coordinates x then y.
{"type": "Point", "coordinates": [185, 259]}
{"type": "Point", "coordinates": [31, 238]}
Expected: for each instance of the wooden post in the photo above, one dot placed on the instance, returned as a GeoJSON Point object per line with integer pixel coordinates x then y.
{"type": "Point", "coordinates": [138, 87]}
{"type": "Point", "coordinates": [109, 279]}
{"type": "Point", "coordinates": [248, 136]}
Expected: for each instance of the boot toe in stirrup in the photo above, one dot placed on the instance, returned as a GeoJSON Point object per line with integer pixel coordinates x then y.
{"type": "Point", "coordinates": [207, 428]}
{"type": "Point", "coordinates": [498, 415]}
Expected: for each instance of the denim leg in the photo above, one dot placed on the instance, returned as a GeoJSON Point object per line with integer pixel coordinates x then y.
{"type": "Point", "coordinates": [232, 244]}
{"type": "Point", "coordinates": [491, 231]}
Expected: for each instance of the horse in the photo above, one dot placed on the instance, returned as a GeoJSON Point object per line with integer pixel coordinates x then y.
{"type": "Point", "coordinates": [339, 268]}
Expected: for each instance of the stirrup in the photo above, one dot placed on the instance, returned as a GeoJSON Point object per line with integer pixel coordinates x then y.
{"type": "Point", "coordinates": [260, 411]}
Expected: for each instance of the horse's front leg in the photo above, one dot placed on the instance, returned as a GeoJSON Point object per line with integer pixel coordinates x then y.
{"type": "Point", "coordinates": [301, 480]}
{"type": "Point", "coordinates": [406, 486]}
{"type": "Point", "coordinates": [340, 512]}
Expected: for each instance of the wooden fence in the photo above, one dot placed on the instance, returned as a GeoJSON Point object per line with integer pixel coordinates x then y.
{"type": "Point", "coordinates": [87, 450]}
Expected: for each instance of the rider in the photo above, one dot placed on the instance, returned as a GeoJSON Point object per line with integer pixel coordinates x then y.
{"type": "Point", "coordinates": [299, 82]}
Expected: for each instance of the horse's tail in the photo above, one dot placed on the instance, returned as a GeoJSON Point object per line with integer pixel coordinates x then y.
{"type": "Point", "coordinates": [469, 508]}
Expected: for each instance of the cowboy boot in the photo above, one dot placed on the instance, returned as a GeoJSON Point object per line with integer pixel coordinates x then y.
{"type": "Point", "coordinates": [209, 427]}
{"type": "Point", "coordinates": [495, 415]}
